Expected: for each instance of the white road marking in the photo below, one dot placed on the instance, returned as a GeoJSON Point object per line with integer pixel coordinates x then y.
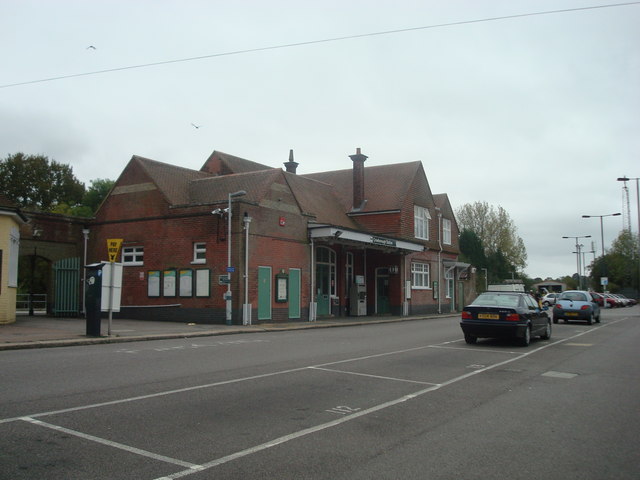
{"type": "Point", "coordinates": [553, 374]}
{"type": "Point", "coordinates": [372, 376]}
{"type": "Point", "coordinates": [137, 451]}
{"type": "Point", "coordinates": [193, 468]}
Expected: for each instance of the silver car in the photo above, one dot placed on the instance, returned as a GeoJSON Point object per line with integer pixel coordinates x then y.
{"type": "Point", "coordinates": [576, 305]}
{"type": "Point", "coordinates": [550, 299]}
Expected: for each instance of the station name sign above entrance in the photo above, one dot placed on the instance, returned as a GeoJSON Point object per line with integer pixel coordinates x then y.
{"type": "Point", "coordinates": [385, 242]}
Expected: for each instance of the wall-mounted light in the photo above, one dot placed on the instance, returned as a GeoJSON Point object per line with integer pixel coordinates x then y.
{"type": "Point", "coordinates": [393, 269]}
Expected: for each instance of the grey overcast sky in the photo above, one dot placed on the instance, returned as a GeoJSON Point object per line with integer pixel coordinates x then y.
{"type": "Point", "coordinates": [538, 113]}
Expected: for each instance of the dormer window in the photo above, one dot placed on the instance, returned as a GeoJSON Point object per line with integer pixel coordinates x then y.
{"type": "Point", "coordinates": [446, 231]}
{"type": "Point", "coordinates": [421, 219]}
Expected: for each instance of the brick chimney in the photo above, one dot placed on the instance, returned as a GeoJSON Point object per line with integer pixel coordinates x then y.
{"type": "Point", "coordinates": [358, 179]}
{"type": "Point", "coordinates": [291, 166]}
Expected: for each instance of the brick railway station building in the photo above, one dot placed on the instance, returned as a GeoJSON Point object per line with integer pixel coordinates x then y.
{"type": "Point", "coordinates": [362, 241]}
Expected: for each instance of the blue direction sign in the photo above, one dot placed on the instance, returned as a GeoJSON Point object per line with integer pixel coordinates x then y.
{"type": "Point", "coordinates": [231, 269]}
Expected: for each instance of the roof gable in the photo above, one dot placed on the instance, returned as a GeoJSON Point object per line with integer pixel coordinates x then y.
{"type": "Point", "coordinates": [217, 189]}
{"type": "Point", "coordinates": [220, 163]}
{"type": "Point", "coordinates": [320, 200]}
{"type": "Point", "coordinates": [172, 181]}
{"type": "Point", "coordinates": [386, 186]}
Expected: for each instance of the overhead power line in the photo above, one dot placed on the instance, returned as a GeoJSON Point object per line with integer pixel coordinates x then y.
{"type": "Point", "coordinates": [314, 42]}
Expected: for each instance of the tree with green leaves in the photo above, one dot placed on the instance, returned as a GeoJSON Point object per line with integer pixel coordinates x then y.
{"type": "Point", "coordinates": [619, 264]}
{"type": "Point", "coordinates": [34, 182]}
{"type": "Point", "coordinates": [91, 200]}
{"type": "Point", "coordinates": [498, 234]}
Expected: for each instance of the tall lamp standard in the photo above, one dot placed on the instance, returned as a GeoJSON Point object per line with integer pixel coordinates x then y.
{"type": "Point", "coordinates": [246, 308]}
{"type": "Point", "coordinates": [85, 235]}
{"type": "Point", "coordinates": [626, 179]}
{"type": "Point", "coordinates": [601, 228]}
{"type": "Point", "coordinates": [230, 269]}
{"type": "Point", "coordinates": [578, 257]}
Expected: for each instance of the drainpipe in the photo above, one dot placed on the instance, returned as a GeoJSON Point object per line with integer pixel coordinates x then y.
{"type": "Point", "coordinates": [439, 259]}
{"type": "Point", "coordinates": [312, 303]}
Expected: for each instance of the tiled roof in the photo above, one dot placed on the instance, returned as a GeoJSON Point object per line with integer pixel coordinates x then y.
{"type": "Point", "coordinates": [7, 205]}
{"type": "Point", "coordinates": [216, 189]}
{"type": "Point", "coordinates": [320, 200]}
{"type": "Point", "coordinates": [230, 164]}
{"type": "Point", "coordinates": [327, 196]}
{"type": "Point", "coordinates": [172, 181]}
{"type": "Point", "coordinates": [385, 185]}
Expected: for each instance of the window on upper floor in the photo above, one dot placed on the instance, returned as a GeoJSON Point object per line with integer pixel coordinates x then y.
{"type": "Point", "coordinates": [199, 252]}
{"type": "Point", "coordinates": [446, 231]}
{"type": "Point", "coordinates": [421, 219]}
{"type": "Point", "coordinates": [420, 275]}
{"type": "Point", "coordinates": [133, 255]}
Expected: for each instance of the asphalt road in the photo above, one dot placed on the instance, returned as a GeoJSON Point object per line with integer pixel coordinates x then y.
{"type": "Point", "coordinates": [395, 401]}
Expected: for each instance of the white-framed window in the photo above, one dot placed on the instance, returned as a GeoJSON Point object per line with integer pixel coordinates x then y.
{"type": "Point", "coordinates": [199, 252]}
{"type": "Point", "coordinates": [446, 231]}
{"type": "Point", "coordinates": [448, 278]}
{"type": "Point", "coordinates": [420, 275]}
{"type": "Point", "coordinates": [421, 219]}
{"type": "Point", "coordinates": [326, 271]}
{"type": "Point", "coordinates": [14, 253]}
{"type": "Point", "coordinates": [133, 255]}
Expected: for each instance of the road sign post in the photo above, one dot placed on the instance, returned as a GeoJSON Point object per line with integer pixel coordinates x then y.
{"type": "Point", "coordinates": [113, 248]}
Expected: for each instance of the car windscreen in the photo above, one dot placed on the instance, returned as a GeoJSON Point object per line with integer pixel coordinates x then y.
{"type": "Point", "coordinates": [497, 299]}
{"type": "Point", "coordinates": [574, 297]}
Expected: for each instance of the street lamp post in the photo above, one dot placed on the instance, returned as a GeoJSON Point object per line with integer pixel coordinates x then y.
{"type": "Point", "coordinates": [626, 179]}
{"type": "Point", "coordinates": [230, 269]}
{"type": "Point", "coordinates": [246, 308]}
{"type": "Point", "coordinates": [85, 235]}
{"type": "Point", "coordinates": [577, 252]}
{"type": "Point", "coordinates": [601, 227]}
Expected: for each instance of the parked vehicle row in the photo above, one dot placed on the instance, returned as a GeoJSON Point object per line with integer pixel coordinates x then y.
{"type": "Point", "coordinates": [518, 315]}
{"type": "Point", "coordinates": [577, 305]}
{"type": "Point", "coordinates": [505, 315]}
{"type": "Point", "coordinates": [613, 300]}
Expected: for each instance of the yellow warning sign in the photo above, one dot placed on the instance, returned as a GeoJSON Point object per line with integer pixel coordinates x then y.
{"type": "Point", "coordinates": [113, 248]}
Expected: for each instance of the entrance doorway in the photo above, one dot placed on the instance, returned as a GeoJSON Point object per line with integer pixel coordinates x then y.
{"type": "Point", "coordinates": [325, 279]}
{"type": "Point", "coordinates": [383, 306]}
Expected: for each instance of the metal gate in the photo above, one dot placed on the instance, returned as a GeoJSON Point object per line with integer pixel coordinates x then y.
{"type": "Point", "coordinates": [66, 274]}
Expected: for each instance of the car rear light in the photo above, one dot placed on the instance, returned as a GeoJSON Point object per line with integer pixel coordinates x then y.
{"type": "Point", "coordinates": [557, 305]}
{"type": "Point", "coordinates": [512, 317]}
{"type": "Point", "coordinates": [466, 315]}
{"type": "Point", "coordinates": [584, 307]}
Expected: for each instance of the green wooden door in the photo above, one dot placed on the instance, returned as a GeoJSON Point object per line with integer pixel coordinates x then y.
{"type": "Point", "coordinates": [382, 295]}
{"type": "Point", "coordinates": [294, 293]}
{"type": "Point", "coordinates": [264, 293]}
{"type": "Point", "coordinates": [323, 279]}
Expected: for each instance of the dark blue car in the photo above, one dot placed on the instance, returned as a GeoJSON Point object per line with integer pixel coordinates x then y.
{"type": "Point", "coordinates": [505, 315]}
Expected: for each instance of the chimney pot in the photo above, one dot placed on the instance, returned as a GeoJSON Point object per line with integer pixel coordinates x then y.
{"type": "Point", "coordinates": [291, 166]}
{"type": "Point", "coordinates": [358, 178]}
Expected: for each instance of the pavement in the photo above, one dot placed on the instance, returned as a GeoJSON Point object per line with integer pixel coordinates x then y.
{"type": "Point", "coordinates": [41, 331]}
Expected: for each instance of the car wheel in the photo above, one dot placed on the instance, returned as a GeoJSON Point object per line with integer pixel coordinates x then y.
{"type": "Point", "coordinates": [546, 304]}
{"type": "Point", "coordinates": [470, 339]}
{"type": "Point", "coordinates": [590, 319]}
{"type": "Point", "coordinates": [555, 319]}
{"type": "Point", "coordinates": [547, 332]}
{"type": "Point", "coordinates": [526, 339]}
{"type": "Point", "coordinates": [598, 318]}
